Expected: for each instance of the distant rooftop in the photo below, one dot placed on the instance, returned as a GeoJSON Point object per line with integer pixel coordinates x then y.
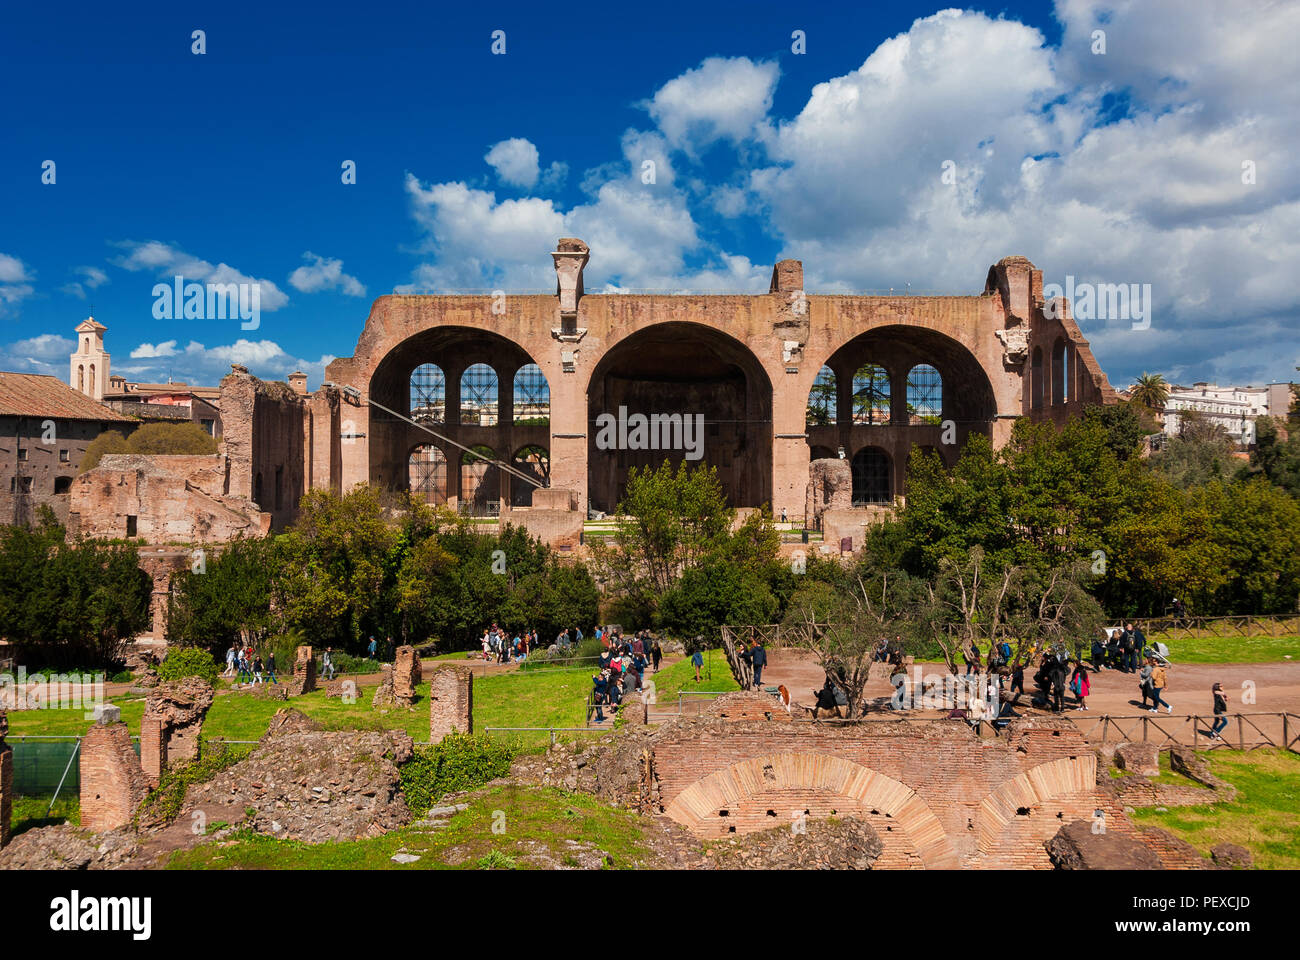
{"type": "Point", "coordinates": [38, 395]}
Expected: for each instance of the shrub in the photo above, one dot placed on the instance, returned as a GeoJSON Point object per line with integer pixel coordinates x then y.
{"type": "Point", "coordinates": [346, 663]}
{"type": "Point", "coordinates": [182, 662]}
{"type": "Point", "coordinates": [164, 802]}
{"type": "Point", "coordinates": [458, 762]}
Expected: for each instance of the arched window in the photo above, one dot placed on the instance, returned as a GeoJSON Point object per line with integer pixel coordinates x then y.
{"type": "Point", "coordinates": [871, 394]}
{"type": "Point", "coordinates": [822, 399]}
{"type": "Point", "coordinates": [1036, 379]}
{"type": "Point", "coordinates": [924, 395]}
{"type": "Point", "coordinates": [480, 482]}
{"type": "Point", "coordinates": [92, 379]}
{"type": "Point", "coordinates": [478, 396]}
{"type": "Point", "coordinates": [534, 461]}
{"type": "Point", "coordinates": [1060, 372]}
{"type": "Point", "coordinates": [532, 396]}
{"type": "Point", "coordinates": [428, 394]}
{"type": "Point", "coordinates": [872, 477]}
{"type": "Point", "coordinates": [81, 377]}
{"type": "Point", "coordinates": [427, 474]}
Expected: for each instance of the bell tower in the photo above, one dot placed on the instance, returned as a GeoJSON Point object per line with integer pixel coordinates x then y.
{"type": "Point", "coordinates": [89, 367]}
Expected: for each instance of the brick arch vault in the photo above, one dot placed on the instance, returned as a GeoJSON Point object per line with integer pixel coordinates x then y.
{"type": "Point", "coordinates": [771, 790]}
{"type": "Point", "coordinates": [1023, 811]}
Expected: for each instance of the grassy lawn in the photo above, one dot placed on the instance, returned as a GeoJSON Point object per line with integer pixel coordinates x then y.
{"type": "Point", "coordinates": [550, 698]}
{"type": "Point", "coordinates": [542, 827]}
{"type": "Point", "coordinates": [669, 681]}
{"type": "Point", "coordinates": [1265, 817]}
{"type": "Point", "coordinates": [1233, 649]}
{"type": "Point", "coordinates": [31, 812]}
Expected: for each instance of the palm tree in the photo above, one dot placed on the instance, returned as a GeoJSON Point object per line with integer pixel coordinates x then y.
{"type": "Point", "coordinates": [1151, 391]}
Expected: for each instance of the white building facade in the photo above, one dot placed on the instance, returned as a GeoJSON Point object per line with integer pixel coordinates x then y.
{"type": "Point", "coordinates": [1233, 408]}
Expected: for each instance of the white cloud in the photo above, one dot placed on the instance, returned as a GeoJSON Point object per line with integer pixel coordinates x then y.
{"type": "Point", "coordinates": [15, 282]}
{"type": "Point", "coordinates": [722, 98]}
{"type": "Point", "coordinates": [91, 277]}
{"type": "Point", "coordinates": [165, 261]}
{"type": "Point", "coordinates": [321, 273]}
{"type": "Point", "coordinates": [515, 161]}
{"type": "Point", "coordinates": [200, 365]}
{"type": "Point", "coordinates": [1125, 167]}
{"type": "Point", "coordinates": [148, 351]}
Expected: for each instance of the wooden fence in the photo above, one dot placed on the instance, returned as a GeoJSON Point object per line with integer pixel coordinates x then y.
{"type": "Point", "coordinates": [1248, 626]}
{"type": "Point", "coordinates": [1245, 731]}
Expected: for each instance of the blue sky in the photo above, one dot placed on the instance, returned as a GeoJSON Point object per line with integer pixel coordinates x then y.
{"type": "Point", "coordinates": [1119, 167]}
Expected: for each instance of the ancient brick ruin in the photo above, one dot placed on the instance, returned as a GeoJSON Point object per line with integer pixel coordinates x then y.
{"type": "Point", "coordinates": [407, 675]}
{"type": "Point", "coordinates": [937, 795]}
{"type": "Point", "coordinates": [171, 729]}
{"type": "Point", "coordinates": [304, 672]}
{"type": "Point", "coordinates": [451, 701]}
{"type": "Point", "coordinates": [6, 780]}
{"type": "Point", "coordinates": [830, 487]}
{"type": "Point", "coordinates": [938, 369]}
{"type": "Point", "coordinates": [112, 781]}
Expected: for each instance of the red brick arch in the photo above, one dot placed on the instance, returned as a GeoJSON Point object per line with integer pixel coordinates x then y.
{"type": "Point", "coordinates": [752, 785]}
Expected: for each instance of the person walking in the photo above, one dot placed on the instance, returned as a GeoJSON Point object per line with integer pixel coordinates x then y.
{"type": "Point", "coordinates": [270, 668]}
{"type": "Point", "coordinates": [758, 656]}
{"type": "Point", "coordinates": [1144, 681]}
{"type": "Point", "coordinates": [1139, 647]}
{"type": "Point", "coordinates": [972, 656]}
{"type": "Point", "coordinates": [1159, 679]}
{"type": "Point", "coordinates": [599, 693]}
{"type": "Point", "coordinates": [656, 653]}
{"type": "Point", "coordinates": [327, 663]}
{"type": "Point", "coordinates": [230, 662]}
{"type": "Point", "coordinates": [245, 675]}
{"type": "Point", "coordinates": [1080, 686]}
{"type": "Point", "coordinates": [371, 648]}
{"type": "Point", "coordinates": [1220, 711]}
{"type": "Point", "coordinates": [697, 661]}
{"type": "Point", "coordinates": [257, 670]}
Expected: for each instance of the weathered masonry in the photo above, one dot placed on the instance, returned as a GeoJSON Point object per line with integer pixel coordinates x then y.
{"type": "Point", "coordinates": [781, 379]}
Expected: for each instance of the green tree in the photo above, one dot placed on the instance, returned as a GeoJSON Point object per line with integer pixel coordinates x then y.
{"type": "Point", "coordinates": [1151, 391]}
{"type": "Point", "coordinates": [150, 438]}
{"type": "Point", "coordinates": [225, 598]}
{"type": "Point", "coordinates": [1275, 459]}
{"type": "Point", "coordinates": [84, 602]}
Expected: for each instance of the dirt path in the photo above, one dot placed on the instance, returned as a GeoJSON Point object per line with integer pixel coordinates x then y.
{"type": "Point", "coordinates": [1273, 687]}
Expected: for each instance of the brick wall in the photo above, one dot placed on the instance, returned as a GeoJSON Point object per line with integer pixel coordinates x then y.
{"type": "Point", "coordinates": [153, 749]}
{"type": "Point", "coordinates": [406, 675]}
{"type": "Point", "coordinates": [112, 781]}
{"type": "Point", "coordinates": [451, 701]}
{"type": "Point", "coordinates": [937, 795]}
{"type": "Point", "coordinates": [304, 672]}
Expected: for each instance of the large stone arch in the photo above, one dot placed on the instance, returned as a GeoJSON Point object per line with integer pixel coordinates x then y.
{"type": "Point", "coordinates": [1040, 785]}
{"type": "Point", "coordinates": [690, 369]}
{"type": "Point", "coordinates": [453, 349]}
{"type": "Point", "coordinates": [967, 393]}
{"type": "Point", "coordinates": [855, 787]}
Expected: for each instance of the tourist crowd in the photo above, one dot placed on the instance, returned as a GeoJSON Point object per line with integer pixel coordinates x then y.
{"type": "Point", "coordinates": [621, 668]}
{"type": "Point", "coordinates": [245, 665]}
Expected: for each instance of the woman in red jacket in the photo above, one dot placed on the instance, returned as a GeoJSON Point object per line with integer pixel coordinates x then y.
{"type": "Point", "coordinates": [1080, 686]}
